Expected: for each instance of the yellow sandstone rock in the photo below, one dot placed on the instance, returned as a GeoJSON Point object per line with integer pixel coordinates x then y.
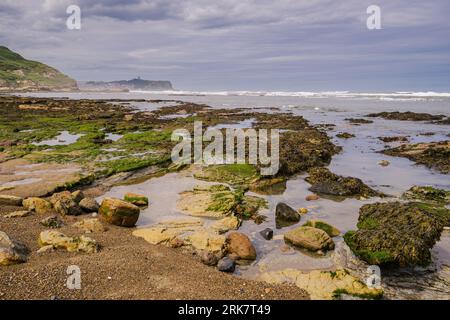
{"type": "Point", "coordinates": [40, 206]}
{"type": "Point", "coordinates": [324, 285]}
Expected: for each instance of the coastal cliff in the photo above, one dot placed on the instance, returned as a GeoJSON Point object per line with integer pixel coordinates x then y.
{"type": "Point", "coordinates": [20, 74]}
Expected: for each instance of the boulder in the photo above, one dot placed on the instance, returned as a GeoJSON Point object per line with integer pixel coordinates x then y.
{"type": "Point", "coordinates": [10, 200]}
{"type": "Point", "coordinates": [226, 265]}
{"type": "Point", "coordinates": [38, 205]}
{"type": "Point", "coordinates": [72, 244]}
{"type": "Point", "coordinates": [319, 224]}
{"type": "Point", "coordinates": [11, 251]}
{"type": "Point", "coordinates": [309, 238]}
{"type": "Point", "coordinates": [89, 205]}
{"type": "Point", "coordinates": [90, 225]}
{"type": "Point", "coordinates": [285, 215]}
{"type": "Point", "coordinates": [239, 244]}
{"type": "Point", "coordinates": [136, 199]}
{"type": "Point", "coordinates": [52, 222]}
{"type": "Point", "coordinates": [119, 212]}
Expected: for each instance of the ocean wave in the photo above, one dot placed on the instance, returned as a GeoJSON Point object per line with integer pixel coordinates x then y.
{"type": "Point", "coordinates": [388, 96]}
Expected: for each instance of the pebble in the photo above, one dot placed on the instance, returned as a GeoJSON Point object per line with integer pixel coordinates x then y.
{"type": "Point", "coordinates": [208, 258]}
{"type": "Point", "coordinates": [312, 197]}
{"type": "Point", "coordinates": [226, 265]}
{"type": "Point", "coordinates": [267, 233]}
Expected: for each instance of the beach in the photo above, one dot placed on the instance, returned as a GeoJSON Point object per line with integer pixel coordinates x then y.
{"type": "Point", "coordinates": [111, 144]}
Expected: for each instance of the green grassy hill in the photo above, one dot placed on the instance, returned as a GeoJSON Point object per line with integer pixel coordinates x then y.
{"type": "Point", "coordinates": [20, 74]}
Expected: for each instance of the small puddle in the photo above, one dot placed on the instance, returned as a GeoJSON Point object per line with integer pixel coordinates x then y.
{"type": "Point", "coordinates": [244, 124]}
{"type": "Point", "coordinates": [63, 139]}
{"type": "Point", "coordinates": [113, 136]}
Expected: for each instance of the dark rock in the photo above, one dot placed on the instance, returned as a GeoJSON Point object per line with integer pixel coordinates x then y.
{"type": "Point", "coordinates": [285, 215]}
{"type": "Point", "coordinates": [359, 121]}
{"type": "Point", "coordinates": [267, 233]}
{"type": "Point", "coordinates": [226, 265]}
{"type": "Point", "coordinates": [394, 139]}
{"type": "Point", "coordinates": [325, 182]}
{"type": "Point", "coordinates": [406, 116]}
{"type": "Point", "coordinates": [345, 135]}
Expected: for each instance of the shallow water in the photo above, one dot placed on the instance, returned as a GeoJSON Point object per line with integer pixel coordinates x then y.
{"type": "Point", "coordinates": [63, 139]}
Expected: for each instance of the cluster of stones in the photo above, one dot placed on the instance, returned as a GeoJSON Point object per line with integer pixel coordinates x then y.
{"type": "Point", "coordinates": [124, 213]}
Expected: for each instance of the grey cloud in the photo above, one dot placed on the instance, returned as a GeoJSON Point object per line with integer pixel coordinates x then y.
{"type": "Point", "coordinates": [245, 44]}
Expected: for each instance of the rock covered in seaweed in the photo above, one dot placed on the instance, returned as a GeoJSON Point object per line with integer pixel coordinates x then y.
{"type": "Point", "coordinates": [323, 181]}
{"type": "Point", "coordinates": [434, 155]}
{"type": "Point", "coordinates": [396, 233]}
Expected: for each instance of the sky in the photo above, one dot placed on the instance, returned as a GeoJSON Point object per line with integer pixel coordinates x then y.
{"type": "Point", "coordinates": [283, 45]}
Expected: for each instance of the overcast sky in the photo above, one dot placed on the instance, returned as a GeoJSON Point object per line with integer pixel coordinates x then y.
{"type": "Point", "coordinates": [291, 45]}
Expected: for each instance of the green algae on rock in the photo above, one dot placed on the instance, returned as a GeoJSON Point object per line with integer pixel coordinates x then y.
{"type": "Point", "coordinates": [319, 224]}
{"type": "Point", "coordinates": [233, 174]}
{"type": "Point", "coordinates": [136, 199]}
{"type": "Point", "coordinates": [395, 233]}
{"type": "Point", "coordinates": [219, 201]}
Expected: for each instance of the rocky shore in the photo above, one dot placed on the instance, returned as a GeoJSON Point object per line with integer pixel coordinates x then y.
{"type": "Point", "coordinates": [58, 156]}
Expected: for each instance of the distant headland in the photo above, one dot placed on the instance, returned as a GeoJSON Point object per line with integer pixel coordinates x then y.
{"type": "Point", "coordinates": [126, 85]}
